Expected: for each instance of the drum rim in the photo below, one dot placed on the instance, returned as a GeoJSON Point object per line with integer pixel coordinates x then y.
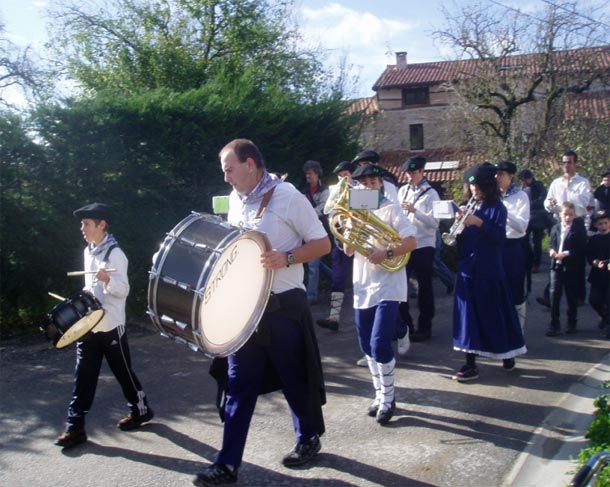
{"type": "Point", "coordinates": [233, 345]}
{"type": "Point", "coordinates": [67, 337]}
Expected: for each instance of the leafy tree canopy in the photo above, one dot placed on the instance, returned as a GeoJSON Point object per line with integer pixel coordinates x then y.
{"type": "Point", "coordinates": [136, 45]}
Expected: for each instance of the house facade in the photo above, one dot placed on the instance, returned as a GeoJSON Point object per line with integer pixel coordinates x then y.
{"type": "Point", "coordinates": [410, 113]}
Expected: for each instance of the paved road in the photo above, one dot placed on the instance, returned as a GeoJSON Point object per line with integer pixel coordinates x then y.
{"type": "Point", "coordinates": [444, 433]}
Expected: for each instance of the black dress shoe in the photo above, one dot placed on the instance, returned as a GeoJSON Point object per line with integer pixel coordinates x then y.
{"type": "Point", "coordinates": [420, 335]}
{"type": "Point", "coordinates": [553, 332]}
{"type": "Point", "coordinates": [508, 363]}
{"type": "Point", "coordinates": [543, 301]}
{"type": "Point", "coordinates": [302, 453]}
{"type": "Point", "coordinates": [329, 324]}
{"type": "Point", "coordinates": [215, 474]}
{"type": "Point", "coordinates": [384, 416]}
{"type": "Point", "coordinates": [71, 438]}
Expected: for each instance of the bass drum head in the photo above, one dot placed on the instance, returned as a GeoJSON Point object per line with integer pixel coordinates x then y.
{"type": "Point", "coordinates": [80, 328]}
{"type": "Point", "coordinates": [235, 295]}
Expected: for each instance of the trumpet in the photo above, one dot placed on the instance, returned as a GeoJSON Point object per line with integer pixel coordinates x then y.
{"type": "Point", "coordinates": [361, 229]}
{"type": "Point", "coordinates": [450, 237]}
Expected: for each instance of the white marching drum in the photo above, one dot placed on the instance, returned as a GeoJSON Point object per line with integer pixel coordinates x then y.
{"type": "Point", "coordinates": [207, 287]}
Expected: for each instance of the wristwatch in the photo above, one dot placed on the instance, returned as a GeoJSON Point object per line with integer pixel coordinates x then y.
{"type": "Point", "coordinates": [390, 253]}
{"type": "Point", "coordinates": [290, 257]}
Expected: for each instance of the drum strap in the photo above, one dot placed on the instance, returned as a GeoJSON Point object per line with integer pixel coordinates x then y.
{"type": "Point", "coordinates": [266, 198]}
{"type": "Point", "coordinates": [107, 255]}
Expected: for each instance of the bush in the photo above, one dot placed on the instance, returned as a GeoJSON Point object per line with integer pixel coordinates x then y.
{"type": "Point", "coordinates": [598, 435]}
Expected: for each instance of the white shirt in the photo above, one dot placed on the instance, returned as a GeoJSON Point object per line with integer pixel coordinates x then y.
{"type": "Point", "coordinates": [113, 295]}
{"type": "Point", "coordinates": [563, 235]}
{"type": "Point", "coordinates": [390, 191]}
{"type": "Point", "coordinates": [372, 284]}
{"type": "Point", "coordinates": [425, 224]}
{"type": "Point", "coordinates": [577, 191]}
{"type": "Point", "coordinates": [517, 205]}
{"type": "Point", "coordinates": [288, 220]}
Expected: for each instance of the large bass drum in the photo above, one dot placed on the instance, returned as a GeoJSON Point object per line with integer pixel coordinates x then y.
{"type": "Point", "coordinates": [207, 287]}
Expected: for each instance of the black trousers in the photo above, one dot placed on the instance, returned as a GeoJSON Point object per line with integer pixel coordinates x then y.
{"type": "Point", "coordinates": [598, 298]}
{"type": "Point", "coordinates": [89, 354]}
{"type": "Point", "coordinates": [560, 281]}
{"type": "Point", "coordinates": [420, 263]}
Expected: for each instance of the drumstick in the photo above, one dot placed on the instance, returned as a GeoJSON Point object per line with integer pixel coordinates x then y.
{"type": "Point", "coordinates": [57, 296]}
{"type": "Point", "coordinates": [82, 273]}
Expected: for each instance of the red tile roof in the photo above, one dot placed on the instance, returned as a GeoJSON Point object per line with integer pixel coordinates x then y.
{"type": "Point", "coordinates": [443, 71]}
{"type": "Point", "coordinates": [393, 160]}
{"type": "Point", "coordinates": [367, 106]}
{"type": "Point", "coordinates": [593, 105]}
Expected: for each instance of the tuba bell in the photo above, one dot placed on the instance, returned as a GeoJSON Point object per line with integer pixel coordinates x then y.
{"type": "Point", "coordinates": [361, 229]}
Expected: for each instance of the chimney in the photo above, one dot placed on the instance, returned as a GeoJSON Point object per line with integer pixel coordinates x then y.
{"type": "Point", "coordinates": [401, 59]}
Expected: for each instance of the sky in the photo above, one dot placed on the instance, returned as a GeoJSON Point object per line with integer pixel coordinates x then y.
{"type": "Point", "coordinates": [365, 34]}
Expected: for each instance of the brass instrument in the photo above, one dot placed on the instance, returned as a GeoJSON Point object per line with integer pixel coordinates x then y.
{"type": "Point", "coordinates": [450, 237]}
{"type": "Point", "coordinates": [361, 229]}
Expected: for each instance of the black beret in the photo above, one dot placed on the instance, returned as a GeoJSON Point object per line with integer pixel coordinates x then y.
{"type": "Point", "coordinates": [414, 163]}
{"type": "Point", "coordinates": [344, 166]}
{"type": "Point", "coordinates": [480, 174]}
{"type": "Point", "coordinates": [366, 155]}
{"type": "Point", "coordinates": [526, 174]}
{"type": "Point", "coordinates": [599, 214]}
{"type": "Point", "coordinates": [95, 211]}
{"type": "Point", "coordinates": [370, 170]}
{"type": "Point", "coordinates": [507, 166]}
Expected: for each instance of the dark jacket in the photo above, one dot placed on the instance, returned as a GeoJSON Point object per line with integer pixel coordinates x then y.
{"type": "Point", "coordinates": [602, 195]}
{"type": "Point", "coordinates": [575, 243]}
{"type": "Point", "coordinates": [598, 248]}
{"type": "Point", "coordinates": [537, 194]}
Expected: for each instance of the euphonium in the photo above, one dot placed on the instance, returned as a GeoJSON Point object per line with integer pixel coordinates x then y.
{"type": "Point", "coordinates": [361, 229]}
{"type": "Point", "coordinates": [450, 237]}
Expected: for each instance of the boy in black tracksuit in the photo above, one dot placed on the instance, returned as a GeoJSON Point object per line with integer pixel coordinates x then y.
{"type": "Point", "coordinates": [566, 249]}
{"type": "Point", "coordinates": [598, 255]}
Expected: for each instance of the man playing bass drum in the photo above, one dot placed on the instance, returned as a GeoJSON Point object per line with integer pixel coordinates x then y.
{"type": "Point", "coordinates": [285, 338]}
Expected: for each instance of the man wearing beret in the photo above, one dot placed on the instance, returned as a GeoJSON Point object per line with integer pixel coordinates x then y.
{"type": "Point", "coordinates": [377, 294]}
{"type": "Point", "coordinates": [389, 181]}
{"type": "Point", "coordinates": [517, 206]}
{"type": "Point", "coordinates": [341, 263]}
{"type": "Point", "coordinates": [108, 339]}
{"type": "Point", "coordinates": [416, 199]}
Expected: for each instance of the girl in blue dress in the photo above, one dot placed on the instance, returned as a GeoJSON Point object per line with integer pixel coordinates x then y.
{"type": "Point", "coordinates": [485, 321]}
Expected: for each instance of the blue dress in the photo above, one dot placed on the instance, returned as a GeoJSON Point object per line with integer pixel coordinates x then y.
{"type": "Point", "coordinates": [485, 321]}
